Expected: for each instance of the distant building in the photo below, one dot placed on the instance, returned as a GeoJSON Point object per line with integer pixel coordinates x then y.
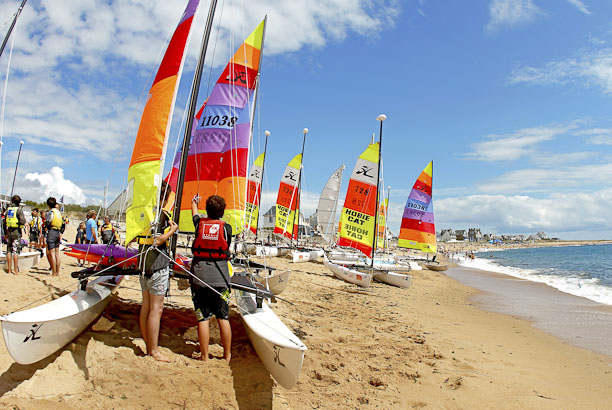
{"type": "Point", "coordinates": [474, 235]}
{"type": "Point", "coordinates": [542, 235]}
{"type": "Point", "coordinates": [447, 235]}
{"type": "Point", "coordinates": [460, 235]}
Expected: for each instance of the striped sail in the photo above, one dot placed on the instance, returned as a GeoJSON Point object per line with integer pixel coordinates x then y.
{"type": "Point", "coordinates": [418, 230]}
{"type": "Point", "coordinates": [218, 155]}
{"type": "Point", "coordinates": [326, 209]}
{"type": "Point", "coordinates": [357, 218]}
{"type": "Point", "coordinates": [254, 193]}
{"type": "Point", "coordinates": [288, 199]}
{"type": "Point", "coordinates": [381, 227]}
{"type": "Point", "coordinates": [144, 174]}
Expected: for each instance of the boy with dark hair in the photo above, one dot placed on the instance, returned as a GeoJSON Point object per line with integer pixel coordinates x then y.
{"type": "Point", "coordinates": [15, 220]}
{"type": "Point", "coordinates": [35, 231]}
{"type": "Point", "coordinates": [55, 228]}
{"type": "Point", "coordinates": [210, 291]}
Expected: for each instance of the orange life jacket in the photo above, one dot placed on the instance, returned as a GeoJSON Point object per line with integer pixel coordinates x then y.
{"type": "Point", "coordinates": [210, 242]}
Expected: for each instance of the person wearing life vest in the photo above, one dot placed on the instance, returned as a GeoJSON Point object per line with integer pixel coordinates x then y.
{"type": "Point", "coordinates": [210, 290]}
{"type": "Point", "coordinates": [108, 233]}
{"type": "Point", "coordinates": [15, 220]}
{"type": "Point", "coordinates": [154, 263]}
{"type": "Point", "coordinates": [55, 228]}
{"type": "Point", "coordinates": [35, 230]}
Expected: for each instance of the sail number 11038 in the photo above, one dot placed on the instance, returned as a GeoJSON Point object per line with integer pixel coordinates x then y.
{"type": "Point", "coordinates": [218, 121]}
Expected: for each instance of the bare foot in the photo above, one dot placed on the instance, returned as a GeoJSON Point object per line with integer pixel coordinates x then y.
{"type": "Point", "coordinates": [227, 357]}
{"type": "Point", "coordinates": [159, 357]}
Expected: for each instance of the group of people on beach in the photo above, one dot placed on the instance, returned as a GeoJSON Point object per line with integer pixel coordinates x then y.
{"type": "Point", "coordinates": [43, 230]}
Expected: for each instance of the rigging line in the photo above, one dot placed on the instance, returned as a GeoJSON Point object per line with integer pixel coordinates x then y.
{"type": "Point", "coordinates": [227, 300]}
{"type": "Point", "coordinates": [6, 78]}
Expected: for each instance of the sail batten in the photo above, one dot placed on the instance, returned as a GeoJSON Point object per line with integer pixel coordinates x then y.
{"type": "Point", "coordinates": [418, 230]}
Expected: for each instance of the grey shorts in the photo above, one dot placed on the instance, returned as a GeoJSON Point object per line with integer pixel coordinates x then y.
{"type": "Point", "coordinates": [157, 283]}
{"type": "Point", "coordinates": [53, 239]}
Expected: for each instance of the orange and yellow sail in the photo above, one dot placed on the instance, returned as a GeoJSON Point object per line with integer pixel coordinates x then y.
{"type": "Point", "coordinates": [418, 230]}
{"type": "Point", "coordinates": [381, 227]}
{"type": "Point", "coordinates": [357, 218]}
{"type": "Point", "coordinates": [218, 156]}
{"type": "Point", "coordinates": [286, 223]}
{"type": "Point", "coordinates": [254, 193]}
{"type": "Point", "coordinates": [144, 174]}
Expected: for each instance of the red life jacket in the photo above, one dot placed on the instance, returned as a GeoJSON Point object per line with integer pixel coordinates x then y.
{"type": "Point", "coordinates": [210, 242]}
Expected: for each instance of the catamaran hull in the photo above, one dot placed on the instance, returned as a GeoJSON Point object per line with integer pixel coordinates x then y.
{"type": "Point", "coordinates": [439, 267]}
{"type": "Point", "coordinates": [280, 351]}
{"type": "Point", "coordinates": [349, 275]}
{"type": "Point", "coordinates": [344, 255]}
{"type": "Point", "coordinates": [34, 334]}
{"type": "Point", "coordinates": [27, 260]}
{"type": "Point", "coordinates": [392, 278]}
{"type": "Point", "coordinates": [307, 256]}
{"type": "Point", "coordinates": [270, 251]}
{"type": "Point", "coordinates": [276, 283]}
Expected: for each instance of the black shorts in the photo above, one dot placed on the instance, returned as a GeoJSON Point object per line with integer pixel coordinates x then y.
{"type": "Point", "coordinates": [207, 302]}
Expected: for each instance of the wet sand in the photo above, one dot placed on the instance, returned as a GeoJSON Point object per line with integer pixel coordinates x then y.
{"type": "Point", "coordinates": [429, 346]}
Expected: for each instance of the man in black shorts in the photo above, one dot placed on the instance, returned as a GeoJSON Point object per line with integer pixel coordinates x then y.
{"type": "Point", "coordinates": [211, 289]}
{"type": "Point", "coordinates": [15, 220]}
{"type": "Point", "coordinates": [55, 228]}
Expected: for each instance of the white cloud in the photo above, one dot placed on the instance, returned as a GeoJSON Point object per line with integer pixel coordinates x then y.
{"type": "Point", "coordinates": [598, 136]}
{"type": "Point", "coordinates": [580, 6]}
{"type": "Point", "coordinates": [40, 186]}
{"type": "Point", "coordinates": [514, 146]}
{"type": "Point", "coordinates": [559, 213]}
{"type": "Point", "coordinates": [511, 13]}
{"type": "Point", "coordinates": [590, 68]}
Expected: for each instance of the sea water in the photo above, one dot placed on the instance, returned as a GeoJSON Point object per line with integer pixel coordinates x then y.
{"type": "Point", "coordinates": [584, 270]}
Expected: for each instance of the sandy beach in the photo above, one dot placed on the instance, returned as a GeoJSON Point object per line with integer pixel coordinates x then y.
{"type": "Point", "coordinates": [431, 346]}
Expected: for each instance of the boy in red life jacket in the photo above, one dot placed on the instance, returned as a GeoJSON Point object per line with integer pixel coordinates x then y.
{"type": "Point", "coordinates": [210, 258]}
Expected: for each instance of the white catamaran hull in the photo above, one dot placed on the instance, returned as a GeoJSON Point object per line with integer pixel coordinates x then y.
{"type": "Point", "coordinates": [27, 260]}
{"type": "Point", "coordinates": [350, 275]}
{"type": "Point", "coordinates": [439, 267]}
{"type": "Point", "coordinates": [307, 256]}
{"type": "Point", "coordinates": [344, 255]}
{"type": "Point", "coordinates": [280, 351]}
{"type": "Point", "coordinates": [34, 334]}
{"type": "Point", "coordinates": [401, 280]}
{"type": "Point", "coordinates": [270, 251]}
{"type": "Point", "coordinates": [277, 282]}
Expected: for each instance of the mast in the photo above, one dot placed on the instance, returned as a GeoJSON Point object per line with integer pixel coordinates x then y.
{"type": "Point", "coordinates": [16, 166]}
{"type": "Point", "coordinates": [297, 207]}
{"type": "Point", "coordinates": [10, 30]}
{"type": "Point", "coordinates": [381, 118]}
{"type": "Point", "coordinates": [263, 168]}
{"type": "Point", "coordinates": [385, 240]}
{"type": "Point", "coordinates": [195, 88]}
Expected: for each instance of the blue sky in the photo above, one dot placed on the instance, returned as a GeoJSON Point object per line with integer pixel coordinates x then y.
{"type": "Point", "coordinates": [510, 98]}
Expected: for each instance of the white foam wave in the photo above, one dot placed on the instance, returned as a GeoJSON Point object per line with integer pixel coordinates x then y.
{"type": "Point", "coordinates": [589, 288]}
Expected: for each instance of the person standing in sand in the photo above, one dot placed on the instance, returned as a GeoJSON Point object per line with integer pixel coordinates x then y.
{"type": "Point", "coordinates": [55, 229]}
{"type": "Point", "coordinates": [15, 220]}
{"type": "Point", "coordinates": [154, 263]}
{"type": "Point", "coordinates": [210, 265]}
{"type": "Point", "coordinates": [91, 227]}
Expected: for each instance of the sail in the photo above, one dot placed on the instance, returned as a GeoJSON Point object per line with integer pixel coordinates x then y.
{"type": "Point", "coordinates": [218, 155]}
{"type": "Point", "coordinates": [357, 218]}
{"type": "Point", "coordinates": [287, 200]}
{"type": "Point", "coordinates": [328, 201]}
{"type": "Point", "coordinates": [254, 193]}
{"type": "Point", "coordinates": [418, 230]}
{"type": "Point", "coordinates": [144, 174]}
{"type": "Point", "coordinates": [381, 228]}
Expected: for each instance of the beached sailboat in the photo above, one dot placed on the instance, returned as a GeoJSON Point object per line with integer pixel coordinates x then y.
{"type": "Point", "coordinates": [418, 230]}
{"type": "Point", "coordinates": [34, 334]}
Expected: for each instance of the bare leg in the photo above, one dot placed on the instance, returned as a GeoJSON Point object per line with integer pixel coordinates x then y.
{"type": "Point", "coordinates": [50, 258]}
{"type": "Point", "coordinates": [156, 308]}
{"type": "Point", "coordinates": [9, 262]}
{"type": "Point", "coordinates": [204, 338]}
{"type": "Point", "coordinates": [15, 263]}
{"type": "Point", "coordinates": [226, 338]}
{"type": "Point", "coordinates": [144, 315]}
{"type": "Point", "coordinates": [57, 260]}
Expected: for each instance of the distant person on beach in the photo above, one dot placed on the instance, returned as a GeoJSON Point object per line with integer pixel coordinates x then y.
{"type": "Point", "coordinates": [154, 263]}
{"type": "Point", "coordinates": [211, 289]}
{"type": "Point", "coordinates": [35, 231]}
{"type": "Point", "coordinates": [14, 223]}
{"type": "Point", "coordinates": [80, 238]}
{"type": "Point", "coordinates": [91, 227]}
{"type": "Point", "coordinates": [108, 233]}
{"type": "Point", "coordinates": [55, 229]}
